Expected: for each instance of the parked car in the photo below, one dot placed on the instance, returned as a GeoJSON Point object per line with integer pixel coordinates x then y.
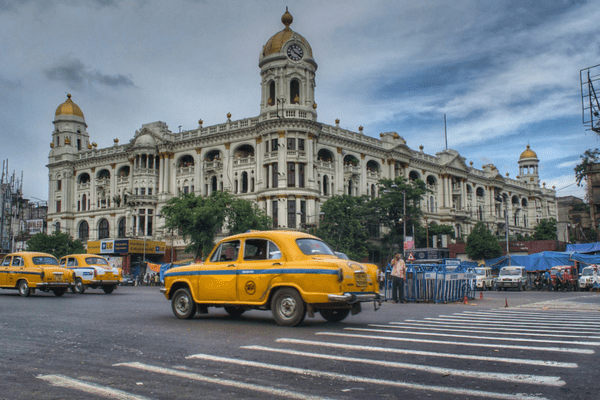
{"type": "Point", "coordinates": [569, 276]}
{"type": "Point", "coordinates": [92, 272]}
{"type": "Point", "coordinates": [29, 271]}
{"type": "Point", "coordinates": [484, 278]}
{"type": "Point", "coordinates": [514, 277]}
{"type": "Point", "coordinates": [290, 273]}
{"type": "Point", "coordinates": [589, 276]}
{"type": "Point", "coordinates": [127, 281]}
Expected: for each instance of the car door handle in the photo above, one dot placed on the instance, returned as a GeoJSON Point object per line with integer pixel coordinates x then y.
{"type": "Point", "coordinates": [277, 263]}
{"type": "Point", "coordinates": [231, 265]}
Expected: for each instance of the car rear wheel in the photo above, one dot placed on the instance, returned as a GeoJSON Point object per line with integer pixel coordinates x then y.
{"type": "Point", "coordinates": [183, 304]}
{"type": "Point", "coordinates": [288, 307]}
{"type": "Point", "coordinates": [24, 290]}
{"type": "Point", "coordinates": [335, 315]}
{"type": "Point", "coordinates": [108, 289]}
{"type": "Point", "coordinates": [78, 287]}
{"type": "Point", "coordinates": [59, 292]}
{"type": "Point", "coordinates": [235, 312]}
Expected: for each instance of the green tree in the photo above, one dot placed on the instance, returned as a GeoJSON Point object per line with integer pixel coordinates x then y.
{"type": "Point", "coordinates": [545, 230]}
{"type": "Point", "coordinates": [588, 158]}
{"type": "Point", "coordinates": [198, 218]}
{"type": "Point", "coordinates": [388, 209]}
{"type": "Point", "coordinates": [434, 229]}
{"type": "Point", "coordinates": [481, 244]}
{"type": "Point", "coordinates": [344, 225]}
{"type": "Point", "coordinates": [58, 244]}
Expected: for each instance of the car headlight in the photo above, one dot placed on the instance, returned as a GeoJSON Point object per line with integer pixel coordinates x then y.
{"type": "Point", "coordinates": [42, 275]}
{"type": "Point", "coordinates": [340, 274]}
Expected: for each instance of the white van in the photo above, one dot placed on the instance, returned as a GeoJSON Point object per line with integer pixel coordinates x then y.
{"type": "Point", "coordinates": [589, 276]}
{"type": "Point", "coordinates": [484, 278]}
{"type": "Point", "coordinates": [512, 277]}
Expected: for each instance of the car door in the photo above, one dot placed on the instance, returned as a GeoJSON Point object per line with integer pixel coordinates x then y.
{"type": "Point", "coordinates": [215, 280]}
{"type": "Point", "coordinates": [17, 267]}
{"type": "Point", "coordinates": [4, 270]}
{"type": "Point", "coordinates": [261, 261]}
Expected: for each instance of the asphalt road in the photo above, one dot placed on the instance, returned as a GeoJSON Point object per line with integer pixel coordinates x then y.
{"type": "Point", "coordinates": [129, 345]}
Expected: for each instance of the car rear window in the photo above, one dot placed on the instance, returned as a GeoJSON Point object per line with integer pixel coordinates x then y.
{"type": "Point", "coordinates": [39, 260]}
{"type": "Point", "coordinates": [312, 247]}
{"type": "Point", "coordinates": [96, 260]}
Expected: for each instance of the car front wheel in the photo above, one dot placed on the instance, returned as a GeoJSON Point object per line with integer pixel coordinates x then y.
{"type": "Point", "coordinates": [78, 287]}
{"type": "Point", "coordinates": [334, 315]}
{"type": "Point", "coordinates": [24, 290]}
{"type": "Point", "coordinates": [183, 304]}
{"type": "Point", "coordinates": [288, 307]}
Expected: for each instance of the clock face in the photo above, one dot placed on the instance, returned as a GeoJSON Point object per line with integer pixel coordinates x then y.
{"type": "Point", "coordinates": [295, 52]}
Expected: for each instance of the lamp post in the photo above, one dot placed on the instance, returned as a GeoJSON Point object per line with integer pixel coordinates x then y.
{"type": "Point", "coordinates": [425, 217]}
{"type": "Point", "coordinates": [504, 199]}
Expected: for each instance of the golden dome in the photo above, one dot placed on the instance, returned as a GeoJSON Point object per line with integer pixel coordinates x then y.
{"type": "Point", "coordinates": [69, 108]}
{"type": "Point", "coordinates": [528, 154]}
{"type": "Point", "coordinates": [277, 41]}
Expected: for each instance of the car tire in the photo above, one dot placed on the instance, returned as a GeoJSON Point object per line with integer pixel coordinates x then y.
{"type": "Point", "coordinates": [234, 312]}
{"type": "Point", "coordinates": [24, 290]}
{"type": "Point", "coordinates": [288, 308]}
{"type": "Point", "coordinates": [335, 314]}
{"type": "Point", "coordinates": [108, 289]}
{"type": "Point", "coordinates": [59, 292]}
{"type": "Point", "coordinates": [183, 304]}
{"type": "Point", "coordinates": [78, 287]}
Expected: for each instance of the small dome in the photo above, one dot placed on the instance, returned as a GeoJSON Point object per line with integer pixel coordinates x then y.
{"type": "Point", "coordinates": [528, 154]}
{"type": "Point", "coordinates": [145, 141]}
{"type": "Point", "coordinates": [69, 108]}
{"type": "Point", "coordinates": [277, 41]}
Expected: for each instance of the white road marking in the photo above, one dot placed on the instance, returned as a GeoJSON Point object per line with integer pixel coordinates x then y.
{"type": "Point", "coordinates": [508, 320]}
{"type": "Point", "coordinates": [493, 345]}
{"type": "Point", "coordinates": [477, 325]}
{"type": "Point", "coordinates": [270, 391]}
{"type": "Point", "coordinates": [550, 314]}
{"type": "Point", "coordinates": [463, 321]}
{"type": "Point", "coordinates": [521, 378]}
{"type": "Point", "coordinates": [479, 330]}
{"type": "Point", "coordinates": [580, 319]}
{"type": "Point", "coordinates": [88, 387]}
{"type": "Point", "coordinates": [377, 382]}
{"type": "Point", "coordinates": [477, 337]}
{"type": "Point", "coordinates": [487, 327]}
{"type": "Point", "coordinates": [430, 353]}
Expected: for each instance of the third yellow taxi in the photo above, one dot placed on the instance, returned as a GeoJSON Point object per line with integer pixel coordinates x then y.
{"type": "Point", "coordinates": [290, 273]}
{"type": "Point", "coordinates": [92, 271]}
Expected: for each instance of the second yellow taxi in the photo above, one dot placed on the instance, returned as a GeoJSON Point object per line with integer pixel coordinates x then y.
{"type": "Point", "coordinates": [92, 271]}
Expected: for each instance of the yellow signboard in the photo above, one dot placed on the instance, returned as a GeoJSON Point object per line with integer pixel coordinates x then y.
{"type": "Point", "coordinates": [125, 246]}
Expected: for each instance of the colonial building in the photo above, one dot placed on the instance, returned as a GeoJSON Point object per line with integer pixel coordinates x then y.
{"type": "Point", "coordinates": [283, 159]}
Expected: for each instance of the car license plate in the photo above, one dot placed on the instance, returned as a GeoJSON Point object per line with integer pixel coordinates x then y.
{"type": "Point", "coordinates": [361, 278]}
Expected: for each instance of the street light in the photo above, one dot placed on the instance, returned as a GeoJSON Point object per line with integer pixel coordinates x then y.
{"type": "Point", "coordinates": [504, 199]}
{"type": "Point", "coordinates": [425, 217]}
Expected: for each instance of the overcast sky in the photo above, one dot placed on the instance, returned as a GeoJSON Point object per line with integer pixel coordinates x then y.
{"type": "Point", "coordinates": [505, 73]}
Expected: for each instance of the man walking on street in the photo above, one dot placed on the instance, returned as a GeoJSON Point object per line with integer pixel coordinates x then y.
{"type": "Point", "coordinates": [398, 272]}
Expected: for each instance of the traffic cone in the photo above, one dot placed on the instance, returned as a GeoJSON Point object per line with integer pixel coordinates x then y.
{"type": "Point", "coordinates": [465, 300]}
{"type": "Point", "coordinates": [505, 302]}
{"type": "Point", "coordinates": [480, 295]}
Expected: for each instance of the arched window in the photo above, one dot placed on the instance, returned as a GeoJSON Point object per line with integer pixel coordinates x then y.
{"type": "Point", "coordinates": [122, 231]}
{"type": "Point", "coordinates": [83, 178]}
{"type": "Point", "coordinates": [414, 175]}
{"type": "Point", "coordinates": [294, 91]}
{"type": "Point", "coordinates": [271, 100]}
{"type": "Point", "coordinates": [84, 230]}
{"type": "Point", "coordinates": [103, 229]}
{"type": "Point", "coordinates": [244, 182]}
{"type": "Point", "coordinates": [479, 192]}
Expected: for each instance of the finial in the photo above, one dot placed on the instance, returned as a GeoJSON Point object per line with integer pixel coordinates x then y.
{"type": "Point", "coordinates": [507, 174]}
{"type": "Point", "coordinates": [337, 121]}
{"type": "Point", "coordinates": [360, 128]}
{"type": "Point", "coordinates": [315, 106]}
{"type": "Point", "coordinates": [51, 145]}
{"type": "Point", "coordinates": [421, 148]}
{"type": "Point", "coordinates": [228, 115]}
{"type": "Point", "coordinates": [471, 163]}
{"type": "Point", "coordinates": [68, 95]}
{"type": "Point", "coordinates": [200, 122]}
{"type": "Point", "coordinates": [116, 140]}
{"type": "Point", "coordinates": [287, 18]}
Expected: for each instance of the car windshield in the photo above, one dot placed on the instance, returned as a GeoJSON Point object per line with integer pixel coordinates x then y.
{"type": "Point", "coordinates": [96, 260]}
{"type": "Point", "coordinates": [313, 247]}
{"type": "Point", "coordinates": [587, 271]}
{"type": "Point", "coordinates": [480, 271]}
{"type": "Point", "coordinates": [341, 255]}
{"type": "Point", "coordinates": [44, 260]}
{"type": "Point", "coordinates": [553, 271]}
{"type": "Point", "coordinates": [505, 271]}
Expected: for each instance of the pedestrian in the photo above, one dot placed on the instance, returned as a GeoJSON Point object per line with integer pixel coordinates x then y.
{"type": "Point", "coordinates": [156, 278]}
{"type": "Point", "coordinates": [558, 283]}
{"type": "Point", "coordinates": [398, 273]}
{"type": "Point", "coordinates": [547, 281]}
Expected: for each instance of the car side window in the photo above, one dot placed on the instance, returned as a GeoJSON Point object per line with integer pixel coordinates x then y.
{"type": "Point", "coordinates": [274, 252]}
{"type": "Point", "coordinates": [17, 262]}
{"type": "Point", "coordinates": [255, 249]}
{"type": "Point", "coordinates": [6, 261]}
{"type": "Point", "coordinates": [72, 262]}
{"type": "Point", "coordinates": [227, 251]}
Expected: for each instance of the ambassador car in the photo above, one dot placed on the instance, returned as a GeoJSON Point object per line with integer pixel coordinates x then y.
{"type": "Point", "coordinates": [92, 271]}
{"type": "Point", "coordinates": [29, 271]}
{"type": "Point", "coordinates": [290, 273]}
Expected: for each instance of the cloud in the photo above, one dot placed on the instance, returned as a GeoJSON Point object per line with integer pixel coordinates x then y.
{"type": "Point", "coordinates": [15, 5]}
{"type": "Point", "coordinates": [76, 75]}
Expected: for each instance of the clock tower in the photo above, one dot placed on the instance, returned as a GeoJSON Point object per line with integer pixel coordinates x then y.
{"type": "Point", "coordinates": [287, 70]}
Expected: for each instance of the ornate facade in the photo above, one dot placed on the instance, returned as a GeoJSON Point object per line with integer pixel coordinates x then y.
{"type": "Point", "coordinates": [284, 159]}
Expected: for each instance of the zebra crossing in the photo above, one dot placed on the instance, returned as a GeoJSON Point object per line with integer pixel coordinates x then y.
{"type": "Point", "coordinates": [496, 354]}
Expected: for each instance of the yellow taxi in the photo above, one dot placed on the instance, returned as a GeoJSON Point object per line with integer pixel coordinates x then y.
{"type": "Point", "coordinates": [290, 273]}
{"type": "Point", "coordinates": [92, 271]}
{"type": "Point", "coordinates": [27, 271]}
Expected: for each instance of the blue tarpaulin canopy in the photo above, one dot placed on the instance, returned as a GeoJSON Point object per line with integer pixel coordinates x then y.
{"type": "Point", "coordinates": [584, 247]}
{"type": "Point", "coordinates": [544, 260]}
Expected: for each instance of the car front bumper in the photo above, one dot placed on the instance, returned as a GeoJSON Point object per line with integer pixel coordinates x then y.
{"type": "Point", "coordinates": [509, 284]}
{"type": "Point", "coordinates": [351, 298]}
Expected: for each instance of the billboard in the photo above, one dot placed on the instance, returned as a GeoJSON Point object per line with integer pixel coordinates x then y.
{"type": "Point", "coordinates": [125, 246]}
{"type": "Point", "coordinates": [35, 226]}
